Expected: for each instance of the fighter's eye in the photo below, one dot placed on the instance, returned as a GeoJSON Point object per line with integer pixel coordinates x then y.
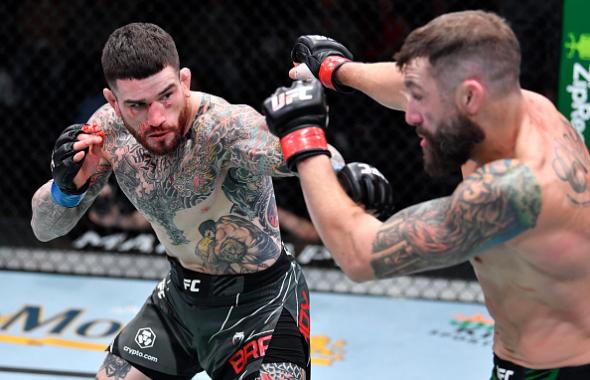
{"type": "Point", "coordinates": [137, 106]}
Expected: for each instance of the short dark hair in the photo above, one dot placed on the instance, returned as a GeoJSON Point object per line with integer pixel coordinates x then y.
{"type": "Point", "coordinates": [462, 44]}
{"type": "Point", "coordinates": [137, 51]}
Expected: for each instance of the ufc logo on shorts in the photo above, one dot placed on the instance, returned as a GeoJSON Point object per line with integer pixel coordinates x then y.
{"type": "Point", "coordinates": [503, 374]}
{"type": "Point", "coordinates": [191, 285]}
{"type": "Point", "coordinates": [282, 99]}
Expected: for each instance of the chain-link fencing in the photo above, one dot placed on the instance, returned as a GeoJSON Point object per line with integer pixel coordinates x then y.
{"type": "Point", "coordinates": [50, 77]}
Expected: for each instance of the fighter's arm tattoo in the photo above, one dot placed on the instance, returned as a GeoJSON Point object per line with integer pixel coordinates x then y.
{"type": "Point", "coordinates": [51, 220]}
{"type": "Point", "coordinates": [496, 203]}
{"type": "Point", "coordinates": [252, 146]}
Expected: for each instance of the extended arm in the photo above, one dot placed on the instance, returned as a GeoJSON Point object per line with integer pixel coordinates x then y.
{"type": "Point", "coordinates": [253, 147]}
{"type": "Point", "coordinates": [381, 81]}
{"type": "Point", "coordinates": [331, 63]}
{"type": "Point", "coordinates": [498, 202]}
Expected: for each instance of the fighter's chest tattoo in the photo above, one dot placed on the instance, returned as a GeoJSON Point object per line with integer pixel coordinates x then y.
{"type": "Point", "coordinates": [161, 186]}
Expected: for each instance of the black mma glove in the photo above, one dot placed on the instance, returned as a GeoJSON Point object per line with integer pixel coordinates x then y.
{"type": "Point", "coordinates": [324, 56]}
{"type": "Point", "coordinates": [64, 169]}
{"type": "Point", "coordinates": [366, 185]}
{"type": "Point", "coordinates": [298, 115]}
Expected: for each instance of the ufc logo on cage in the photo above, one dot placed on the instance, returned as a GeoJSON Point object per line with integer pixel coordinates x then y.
{"type": "Point", "coordinates": [503, 374]}
{"type": "Point", "coordinates": [282, 99]}
{"type": "Point", "coordinates": [191, 285]}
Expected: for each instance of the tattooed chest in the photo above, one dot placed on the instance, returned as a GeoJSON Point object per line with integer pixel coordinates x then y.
{"type": "Point", "coordinates": [162, 187]}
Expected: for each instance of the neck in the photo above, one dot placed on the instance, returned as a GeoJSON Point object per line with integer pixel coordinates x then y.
{"type": "Point", "coordinates": [192, 108]}
{"type": "Point", "coordinates": [501, 121]}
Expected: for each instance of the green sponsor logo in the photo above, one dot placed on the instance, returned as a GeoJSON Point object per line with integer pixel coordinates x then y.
{"type": "Point", "coordinates": [581, 46]}
{"type": "Point", "coordinates": [578, 91]}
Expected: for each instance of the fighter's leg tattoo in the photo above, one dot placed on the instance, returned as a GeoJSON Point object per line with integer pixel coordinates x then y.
{"type": "Point", "coordinates": [115, 367]}
{"type": "Point", "coordinates": [281, 371]}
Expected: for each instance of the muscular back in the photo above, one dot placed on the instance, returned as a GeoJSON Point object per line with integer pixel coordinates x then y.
{"type": "Point", "coordinates": [211, 200]}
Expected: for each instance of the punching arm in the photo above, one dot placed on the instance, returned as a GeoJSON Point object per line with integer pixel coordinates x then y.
{"type": "Point", "coordinates": [332, 63]}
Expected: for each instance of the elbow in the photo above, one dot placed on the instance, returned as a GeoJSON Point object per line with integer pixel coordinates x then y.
{"type": "Point", "coordinates": [359, 275]}
{"type": "Point", "coordinates": [357, 269]}
{"type": "Point", "coordinates": [41, 235]}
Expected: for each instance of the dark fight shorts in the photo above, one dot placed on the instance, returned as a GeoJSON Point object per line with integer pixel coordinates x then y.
{"type": "Point", "coordinates": [226, 325]}
{"type": "Point", "coordinates": [505, 370]}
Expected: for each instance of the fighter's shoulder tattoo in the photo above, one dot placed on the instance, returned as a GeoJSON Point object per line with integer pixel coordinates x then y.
{"type": "Point", "coordinates": [242, 133]}
{"type": "Point", "coordinates": [495, 204]}
{"type": "Point", "coordinates": [571, 164]}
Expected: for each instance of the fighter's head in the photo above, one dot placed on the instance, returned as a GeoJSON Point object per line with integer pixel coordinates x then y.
{"type": "Point", "coordinates": [453, 66]}
{"type": "Point", "coordinates": [147, 88]}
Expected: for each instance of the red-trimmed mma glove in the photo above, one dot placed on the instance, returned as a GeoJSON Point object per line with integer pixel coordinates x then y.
{"type": "Point", "coordinates": [323, 56]}
{"type": "Point", "coordinates": [64, 169]}
{"type": "Point", "coordinates": [298, 115]}
{"type": "Point", "coordinates": [366, 185]}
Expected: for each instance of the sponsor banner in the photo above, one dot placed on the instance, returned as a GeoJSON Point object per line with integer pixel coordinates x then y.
{"type": "Point", "coordinates": [475, 329]}
{"type": "Point", "coordinates": [574, 76]}
{"type": "Point", "coordinates": [72, 328]}
{"type": "Point", "coordinates": [146, 243]}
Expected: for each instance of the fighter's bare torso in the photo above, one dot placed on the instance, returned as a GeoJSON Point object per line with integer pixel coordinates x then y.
{"type": "Point", "coordinates": [536, 285]}
{"type": "Point", "coordinates": [211, 200]}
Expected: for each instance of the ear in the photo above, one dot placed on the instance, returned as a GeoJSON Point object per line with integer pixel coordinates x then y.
{"type": "Point", "coordinates": [185, 80]}
{"type": "Point", "coordinates": [470, 96]}
{"type": "Point", "coordinates": [110, 97]}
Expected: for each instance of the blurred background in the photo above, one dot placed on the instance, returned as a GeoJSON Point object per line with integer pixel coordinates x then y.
{"type": "Point", "coordinates": [50, 77]}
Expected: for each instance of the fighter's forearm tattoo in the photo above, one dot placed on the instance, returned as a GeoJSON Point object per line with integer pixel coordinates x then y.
{"type": "Point", "coordinates": [115, 367]}
{"type": "Point", "coordinates": [498, 202]}
{"type": "Point", "coordinates": [571, 164]}
{"type": "Point", "coordinates": [51, 220]}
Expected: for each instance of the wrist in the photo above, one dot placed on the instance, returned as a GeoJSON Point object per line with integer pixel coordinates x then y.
{"type": "Point", "coordinates": [308, 138]}
{"type": "Point", "coordinates": [63, 199]}
{"type": "Point", "coordinates": [328, 69]}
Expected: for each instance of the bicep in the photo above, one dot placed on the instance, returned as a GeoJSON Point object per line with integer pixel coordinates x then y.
{"type": "Point", "coordinates": [495, 204]}
{"type": "Point", "coordinates": [253, 147]}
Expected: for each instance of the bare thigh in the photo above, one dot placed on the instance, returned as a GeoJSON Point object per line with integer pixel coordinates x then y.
{"type": "Point", "coordinates": [115, 368]}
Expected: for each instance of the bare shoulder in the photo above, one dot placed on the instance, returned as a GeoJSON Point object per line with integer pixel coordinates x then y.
{"type": "Point", "coordinates": [538, 99]}
{"type": "Point", "coordinates": [509, 187]}
{"type": "Point", "coordinates": [105, 117]}
{"type": "Point", "coordinates": [214, 113]}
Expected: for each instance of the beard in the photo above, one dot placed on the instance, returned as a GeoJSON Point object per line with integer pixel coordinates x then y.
{"type": "Point", "coordinates": [160, 147]}
{"type": "Point", "coordinates": [451, 146]}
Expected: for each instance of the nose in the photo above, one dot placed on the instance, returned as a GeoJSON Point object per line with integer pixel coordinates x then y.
{"type": "Point", "coordinates": [156, 114]}
{"type": "Point", "coordinates": [412, 117]}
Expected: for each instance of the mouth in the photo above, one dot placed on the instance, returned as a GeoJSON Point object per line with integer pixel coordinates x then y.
{"type": "Point", "coordinates": [423, 141]}
{"type": "Point", "coordinates": [158, 134]}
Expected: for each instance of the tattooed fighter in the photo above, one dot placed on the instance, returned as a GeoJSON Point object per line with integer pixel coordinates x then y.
{"type": "Point", "coordinates": [521, 215]}
{"type": "Point", "coordinates": [234, 303]}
